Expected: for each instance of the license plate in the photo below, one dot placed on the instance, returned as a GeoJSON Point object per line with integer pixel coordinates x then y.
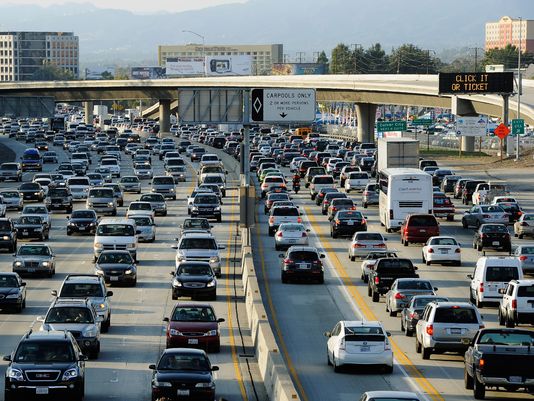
{"type": "Point", "coordinates": [422, 231]}
{"type": "Point", "coordinates": [292, 241]}
{"type": "Point", "coordinates": [182, 392]}
{"type": "Point", "coordinates": [25, 233]}
{"type": "Point", "coordinates": [81, 228]}
{"type": "Point", "coordinates": [41, 390]}
{"type": "Point", "coordinates": [113, 278]}
{"type": "Point", "coordinates": [192, 341]}
{"type": "Point", "coordinates": [31, 270]}
{"type": "Point", "coordinates": [516, 379]}
{"type": "Point", "coordinates": [303, 266]}
{"type": "Point", "coordinates": [365, 348]}
{"type": "Point", "coordinates": [350, 223]}
{"type": "Point", "coordinates": [456, 331]}
{"type": "Point", "coordinates": [56, 204]}
{"type": "Point", "coordinates": [495, 243]}
{"type": "Point", "coordinates": [444, 251]}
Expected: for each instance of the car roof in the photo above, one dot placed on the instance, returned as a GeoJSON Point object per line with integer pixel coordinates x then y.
{"type": "Point", "coordinates": [298, 248]}
{"type": "Point", "coordinates": [363, 323]}
{"type": "Point", "coordinates": [192, 351]}
{"type": "Point", "coordinates": [83, 278]}
{"type": "Point", "coordinates": [191, 234]}
{"type": "Point", "coordinates": [47, 335]}
{"type": "Point", "coordinates": [392, 394]}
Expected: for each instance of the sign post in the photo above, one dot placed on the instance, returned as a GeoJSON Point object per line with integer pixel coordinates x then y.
{"type": "Point", "coordinates": [502, 132]}
{"type": "Point", "coordinates": [518, 126]}
{"type": "Point", "coordinates": [282, 106]}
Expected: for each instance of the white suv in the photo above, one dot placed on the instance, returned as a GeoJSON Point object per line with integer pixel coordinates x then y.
{"type": "Point", "coordinates": [517, 305]}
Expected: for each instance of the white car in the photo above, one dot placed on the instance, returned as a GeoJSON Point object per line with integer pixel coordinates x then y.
{"type": "Point", "coordinates": [356, 181]}
{"type": "Point", "coordinates": [365, 242]}
{"type": "Point", "coordinates": [289, 234]}
{"type": "Point", "coordinates": [140, 208]}
{"type": "Point", "coordinates": [38, 210]}
{"type": "Point", "coordinates": [113, 165]}
{"type": "Point", "coordinates": [359, 343]}
{"type": "Point", "coordinates": [293, 165]}
{"type": "Point", "coordinates": [442, 249]}
{"type": "Point", "coordinates": [390, 396]}
{"type": "Point", "coordinates": [332, 164]}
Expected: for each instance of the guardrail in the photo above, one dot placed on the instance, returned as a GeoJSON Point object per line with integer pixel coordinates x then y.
{"type": "Point", "coordinates": [273, 369]}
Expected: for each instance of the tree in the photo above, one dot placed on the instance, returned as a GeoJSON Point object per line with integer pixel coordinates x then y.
{"type": "Point", "coordinates": [376, 60]}
{"type": "Point", "coordinates": [107, 75]}
{"type": "Point", "coordinates": [342, 60]}
{"type": "Point", "coordinates": [460, 64]}
{"type": "Point", "coordinates": [51, 72]}
{"type": "Point", "coordinates": [122, 73]}
{"type": "Point", "coordinates": [322, 59]}
{"type": "Point", "coordinates": [507, 56]}
{"type": "Point", "coordinates": [410, 59]}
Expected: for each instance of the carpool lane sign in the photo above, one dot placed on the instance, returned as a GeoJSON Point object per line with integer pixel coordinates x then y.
{"type": "Point", "coordinates": [282, 105]}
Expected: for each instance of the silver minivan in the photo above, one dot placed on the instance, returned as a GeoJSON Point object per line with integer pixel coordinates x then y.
{"type": "Point", "coordinates": [164, 185]}
{"type": "Point", "coordinates": [102, 200]}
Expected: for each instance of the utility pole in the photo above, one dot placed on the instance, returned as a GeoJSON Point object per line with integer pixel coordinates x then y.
{"type": "Point", "coordinates": [299, 56]}
{"type": "Point", "coordinates": [356, 46]}
{"type": "Point", "coordinates": [476, 58]}
{"type": "Point", "coordinates": [518, 86]}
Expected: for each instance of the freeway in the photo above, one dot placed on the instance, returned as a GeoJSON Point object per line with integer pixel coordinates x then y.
{"type": "Point", "coordinates": [300, 313]}
{"type": "Point", "coordinates": [137, 334]}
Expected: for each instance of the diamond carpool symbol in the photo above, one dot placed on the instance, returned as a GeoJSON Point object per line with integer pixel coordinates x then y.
{"type": "Point", "coordinates": [257, 105]}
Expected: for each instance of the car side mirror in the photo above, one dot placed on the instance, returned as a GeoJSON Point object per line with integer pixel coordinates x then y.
{"type": "Point", "coordinates": [435, 288]}
{"type": "Point", "coordinates": [23, 284]}
{"type": "Point", "coordinates": [67, 217]}
{"type": "Point", "coordinates": [221, 247]}
{"type": "Point", "coordinates": [502, 291]}
{"type": "Point", "coordinates": [307, 230]}
{"type": "Point", "coordinates": [174, 247]}
{"type": "Point", "coordinates": [415, 268]}
{"type": "Point", "coordinates": [14, 254]}
{"type": "Point", "coordinates": [220, 320]}
{"type": "Point", "coordinates": [280, 255]}
{"type": "Point", "coordinates": [40, 318]}
{"type": "Point", "coordinates": [327, 334]}
{"type": "Point", "coordinates": [322, 256]}
{"type": "Point", "coordinates": [166, 319]}
{"type": "Point", "coordinates": [470, 276]}
{"type": "Point", "coordinates": [172, 273]}
{"type": "Point", "coordinates": [385, 239]}
{"type": "Point", "coordinates": [109, 294]}
{"type": "Point", "coordinates": [152, 367]}
{"type": "Point", "coordinates": [53, 293]}
{"type": "Point", "coordinates": [388, 334]}
{"type": "Point", "coordinates": [7, 358]}
{"type": "Point", "coordinates": [214, 368]}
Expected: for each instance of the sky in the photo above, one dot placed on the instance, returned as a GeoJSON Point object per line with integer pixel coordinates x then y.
{"type": "Point", "coordinates": [136, 6]}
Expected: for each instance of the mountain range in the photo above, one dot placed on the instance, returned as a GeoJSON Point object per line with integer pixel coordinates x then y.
{"type": "Point", "coordinates": [123, 38]}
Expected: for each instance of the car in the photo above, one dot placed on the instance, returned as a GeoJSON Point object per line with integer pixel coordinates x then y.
{"type": "Point", "coordinates": [446, 327]}
{"type": "Point", "coordinates": [365, 242]}
{"type": "Point", "coordinates": [195, 279]}
{"type": "Point", "coordinates": [139, 208]}
{"type": "Point", "coordinates": [369, 261]}
{"type": "Point", "coordinates": [82, 221]}
{"type": "Point", "coordinates": [102, 200]}
{"type": "Point", "coordinates": [217, 179]}
{"type": "Point", "coordinates": [38, 210]}
{"type": "Point", "coordinates": [10, 171]}
{"type": "Point", "coordinates": [320, 181]}
{"type": "Point", "coordinates": [289, 234]}
{"type": "Point", "coordinates": [164, 185]}
{"type": "Point", "coordinates": [105, 172]}
{"type": "Point", "coordinates": [59, 198]}
{"type": "Point", "coordinates": [494, 236]}
{"type": "Point", "coordinates": [328, 198]}
{"type": "Point", "coordinates": [177, 369]}
{"type": "Point", "coordinates": [8, 235]}
{"type": "Point", "coordinates": [196, 224]}
{"type": "Point", "coordinates": [525, 255]}
{"type": "Point", "coordinates": [206, 205]}
{"type": "Point", "coordinates": [385, 272]}
{"type": "Point", "coordinates": [442, 249]}
{"type": "Point", "coordinates": [31, 191]}
{"type": "Point", "coordinates": [50, 157]}
{"type": "Point", "coordinates": [143, 171]}
{"type": "Point", "coordinates": [443, 206]}
{"type": "Point", "coordinates": [516, 304]}
{"type": "Point", "coordinates": [481, 214]}
{"type": "Point", "coordinates": [34, 259]}
{"type": "Point", "coordinates": [448, 183]}
{"type": "Point", "coordinates": [403, 289]}
{"type": "Point", "coordinates": [370, 195]}
{"type": "Point", "coordinates": [157, 201]}
{"type": "Point", "coordinates": [412, 312]}
{"type": "Point", "coordinates": [12, 292]}
{"type": "Point", "coordinates": [325, 191]}
{"type": "Point", "coordinates": [302, 263]}
{"type": "Point", "coordinates": [53, 359]}
{"type": "Point", "coordinates": [178, 173]}
{"type": "Point", "coordinates": [116, 267]}
{"type": "Point", "coordinates": [282, 214]}
{"type": "Point", "coordinates": [356, 181]}
{"type": "Point", "coordinates": [359, 343]}
{"type": "Point", "coordinates": [30, 226]}
{"type": "Point", "coordinates": [203, 247]}
{"type": "Point", "coordinates": [146, 226]}
{"type": "Point", "coordinates": [12, 199]}
{"type": "Point", "coordinates": [418, 228]}
{"type": "Point", "coordinates": [274, 197]}
{"type": "Point", "coordinates": [77, 316]}
{"type": "Point", "coordinates": [92, 287]}
{"type": "Point", "coordinates": [193, 326]}
{"type": "Point", "coordinates": [522, 227]}
{"type": "Point", "coordinates": [338, 205]}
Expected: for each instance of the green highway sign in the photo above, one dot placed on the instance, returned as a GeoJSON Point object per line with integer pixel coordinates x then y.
{"type": "Point", "coordinates": [388, 126]}
{"type": "Point", "coordinates": [518, 126]}
{"type": "Point", "coordinates": [422, 121]}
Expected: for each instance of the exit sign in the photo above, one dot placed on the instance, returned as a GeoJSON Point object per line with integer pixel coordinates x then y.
{"type": "Point", "coordinates": [389, 126]}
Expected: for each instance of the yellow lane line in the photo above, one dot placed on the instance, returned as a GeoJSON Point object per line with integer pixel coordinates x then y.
{"type": "Point", "coordinates": [410, 368]}
{"type": "Point", "coordinates": [235, 359]}
{"type": "Point", "coordinates": [281, 342]}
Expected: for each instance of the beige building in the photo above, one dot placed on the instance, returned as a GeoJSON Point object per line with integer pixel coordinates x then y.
{"type": "Point", "coordinates": [24, 53]}
{"type": "Point", "coordinates": [507, 31]}
{"type": "Point", "coordinates": [263, 56]}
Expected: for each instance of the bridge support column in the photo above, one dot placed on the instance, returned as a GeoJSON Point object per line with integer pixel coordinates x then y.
{"type": "Point", "coordinates": [88, 110]}
{"type": "Point", "coordinates": [164, 115]}
{"type": "Point", "coordinates": [366, 114]}
{"type": "Point", "coordinates": [467, 143]}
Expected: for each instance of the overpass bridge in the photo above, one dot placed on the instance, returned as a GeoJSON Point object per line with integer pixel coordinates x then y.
{"type": "Point", "coordinates": [366, 91]}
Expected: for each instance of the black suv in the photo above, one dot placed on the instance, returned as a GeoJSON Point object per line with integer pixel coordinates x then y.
{"type": "Point", "coordinates": [46, 363]}
{"type": "Point", "coordinates": [8, 235]}
{"type": "Point", "coordinates": [386, 271]}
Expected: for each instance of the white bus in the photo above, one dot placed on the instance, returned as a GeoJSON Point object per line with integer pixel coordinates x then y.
{"type": "Point", "coordinates": [403, 191]}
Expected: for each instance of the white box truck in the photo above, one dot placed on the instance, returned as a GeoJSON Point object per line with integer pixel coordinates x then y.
{"type": "Point", "coordinates": [397, 153]}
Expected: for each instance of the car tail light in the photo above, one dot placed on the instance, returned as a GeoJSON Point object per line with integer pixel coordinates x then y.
{"type": "Point", "coordinates": [483, 236]}
{"type": "Point", "coordinates": [299, 220]}
{"type": "Point", "coordinates": [414, 315]}
{"type": "Point", "coordinates": [430, 250]}
{"type": "Point", "coordinates": [430, 330]}
{"type": "Point", "coordinates": [271, 219]}
{"type": "Point", "coordinates": [514, 303]}
{"type": "Point", "coordinates": [377, 280]}
{"type": "Point", "coordinates": [481, 362]}
{"type": "Point", "coordinates": [288, 261]}
{"type": "Point", "coordinates": [380, 245]}
{"type": "Point", "coordinates": [398, 295]}
{"type": "Point", "coordinates": [481, 287]}
{"type": "Point", "coordinates": [353, 208]}
{"type": "Point", "coordinates": [365, 193]}
{"type": "Point", "coordinates": [387, 345]}
{"type": "Point", "coordinates": [523, 257]}
{"type": "Point", "coordinates": [364, 221]}
{"type": "Point", "coordinates": [279, 234]}
{"type": "Point", "coordinates": [457, 250]}
{"type": "Point", "coordinates": [356, 245]}
{"type": "Point", "coordinates": [486, 216]}
{"type": "Point", "coordinates": [338, 221]}
{"type": "Point", "coordinates": [304, 234]}
{"type": "Point", "coordinates": [342, 344]}
{"type": "Point", "coordinates": [334, 208]}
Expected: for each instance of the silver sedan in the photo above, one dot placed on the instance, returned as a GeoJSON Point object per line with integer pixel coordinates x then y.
{"type": "Point", "coordinates": [402, 291]}
{"type": "Point", "coordinates": [525, 254]}
{"type": "Point", "coordinates": [289, 234]}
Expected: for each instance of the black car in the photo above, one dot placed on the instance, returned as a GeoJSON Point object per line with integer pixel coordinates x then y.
{"type": "Point", "coordinates": [8, 235]}
{"type": "Point", "coordinates": [449, 182]}
{"type": "Point", "coordinates": [302, 263]}
{"type": "Point", "coordinates": [206, 205]}
{"type": "Point", "coordinates": [31, 191]}
{"type": "Point", "coordinates": [328, 198]}
{"type": "Point", "coordinates": [83, 221]}
{"type": "Point", "coordinates": [194, 279]}
{"type": "Point", "coordinates": [414, 310]}
{"type": "Point", "coordinates": [513, 210]}
{"type": "Point", "coordinates": [183, 374]}
{"type": "Point", "coordinates": [346, 223]}
{"type": "Point", "coordinates": [59, 198]}
{"type": "Point", "coordinates": [322, 193]}
{"type": "Point", "coordinates": [31, 226]}
{"type": "Point", "coordinates": [117, 267]}
{"type": "Point", "coordinates": [12, 292]}
{"type": "Point", "coordinates": [51, 359]}
{"type": "Point", "coordinates": [494, 236]}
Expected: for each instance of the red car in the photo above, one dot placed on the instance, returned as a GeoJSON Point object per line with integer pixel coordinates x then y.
{"type": "Point", "coordinates": [418, 228]}
{"type": "Point", "coordinates": [194, 326]}
{"type": "Point", "coordinates": [443, 206]}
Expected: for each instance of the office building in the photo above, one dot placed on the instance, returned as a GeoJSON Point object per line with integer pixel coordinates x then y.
{"type": "Point", "coordinates": [507, 31]}
{"type": "Point", "coordinates": [263, 56]}
{"type": "Point", "coordinates": [24, 53]}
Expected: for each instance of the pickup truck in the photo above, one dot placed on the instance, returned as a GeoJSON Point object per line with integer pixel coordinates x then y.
{"type": "Point", "coordinates": [485, 192]}
{"type": "Point", "coordinates": [385, 272]}
{"type": "Point", "coordinates": [500, 359]}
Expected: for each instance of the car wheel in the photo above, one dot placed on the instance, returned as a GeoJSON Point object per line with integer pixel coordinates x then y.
{"type": "Point", "coordinates": [365, 205]}
{"type": "Point", "coordinates": [328, 358]}
{"type": "Point", "coordinates": [106, 325]}
{"type": "Point", "coordinates": [337, 368]}
{"type": "Point", "coordinates": [520, 236]}
{"type": "Point", "coordinates": [428, 262]}
{"type": "Point", "coordinates": [423, 257]}
{"type": "Point", "coordinates": [375, 296]}
{"type": "Point", "coordinates": [333, 234]}
{"type": "Point", "coordinates": [369, 290]}
{"type": "Point", "coordinates": [509, 323]}
{"type": "Point", "coordinates": [388, 369]}
{"type": "Point", "coordinates": [464, 224]}
{"type": "Point", "coordinates": [479, 247]}
{"type": "Point", "coordinates": [174, 297]}
{"type": "Point", "coordinates": [276, 247]}
{"type": "Point", "coordinates": [352, 258]}
{"type": "Point", "coordinates": [468, 380]}
{"type": "Point", "coordinates": [271, 232]}
{"type": "Point", "coordinates": [479, 390]}
{"type": "Point", "coordinates": [417, 346]}
{"type": "Point", "coordinates": [479, 304]}
{"type": "Point", "coordinates": [406, 242]}
{"type": "Point", "coordinates": [426, 353]}
{"type": "Point", "coordinates": [284, 279]}
{"type": "Point", "coordinates": [500, 318]}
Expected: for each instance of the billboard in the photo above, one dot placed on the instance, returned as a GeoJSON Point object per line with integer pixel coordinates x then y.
{"type": "Point", "coordinates": [298, 69]}
{"type": "Point", "coordinates": [471, 126]}
{"type": "Point", "coordinates": [147, 72]}
{"type": "Point", "coordinates": [179, 66]}
{"type": "Point", "coordinates": [96, 73]}
{"type": "Point", "coordinates": [228, 65]}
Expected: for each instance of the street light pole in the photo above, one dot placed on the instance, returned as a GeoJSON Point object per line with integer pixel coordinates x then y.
{"type": "Point", "coordinates": [203, 49]}
{"type": "Point", "coordinates": [518, 86]}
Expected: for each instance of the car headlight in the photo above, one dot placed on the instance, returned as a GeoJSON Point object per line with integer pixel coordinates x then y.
{"type": "Point", "coordinates": [18, 263]}
{"type": "Point", "coordinates": [37, 193]}
{"type": "Point", "coordinates": [174, 332]}
{"type": "Point", "coordinates": [194, 208]}
{"type": "Point", "coordinates": [90, 332]}
{"type": "Point", "coordinates": [176, 283]}
{"type": "Point", "coordinates": [171, 190]}
{"type": "Point", "coordinates": [212, 283]}
{"type": "Point", "coordinates": [111, 204]}
{"type": "Point", "coordinates": [89, 204]}
{"type": "Point", "coordinates": [162, 384]}
{"type": "Point", "coordinates": [211, 333]}
{"type": "Point", "coordinates": [205, 385]}
{"type": "Point", "coordinates": [214, 259]}
{"type": "Point", "coordinates": [98, 245]}
{"type": "Point", "coordinates": [218, 209]}
{"type": "Point", "coordinates": [70, 374]}
{"type": "Point", "coordinates": [129, 271]}
{"type": "Point", "coordinates": [15, 374]}
{"type": "Point", "coordinates": [132, 245]}
{"type": "Point", "coordinates": [6, 237]}
{"type": "Point", "coordinates": [13, 296]}
{"type": "Point", "coordinates": [101, 306]}
{"type": "Point", "coordinates": [46, 264]}
{"type": "Point", "coordinates": [180, 258]}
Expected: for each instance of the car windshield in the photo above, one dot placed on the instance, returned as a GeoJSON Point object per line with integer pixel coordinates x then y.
{"type": "Point", "coordinates": [187, 362]}
{"type": "Point", "coordinates": [414, 285]}
{"type": "Point", "coordinates": [291, 227]}
{"type": "Point", "coordinates": [212, 169]}
{"type": "Point", "coordinates": [285, 211]}
{"type": "Point", "coordinates": [37, 250]}
{"type": "Point", "coordinates": [194, 270]}
{"type": "Point", "coordinates": [32, 186]}
{"type": "Point", "coordinates": [198, 243]}
{"type": "Point", "coordinates": [83, 214]}
{"type": "Point", "coordinates": [58, 193]}
{"type": "Point", "coordinates": [422, 221]}
{"type": "Point", "coordinates": [81, 290]}
{"type": "Point", "coordinates": [140, 206]}
{"type": "Point", "coordinates": [163, 181]}
{"type": "Point", "coordinates": [494, 228]}
{"type": "Point", "coordinates": [206, 199]}
{"type": "Point", "coordinates": [420, 303]}
{"type": "Point", "coordinates": [130, 179]}
{"type": "Point", "coordinates": [115, 230]}
{"type": "Point", "coordinates": [305, 256]}
{"type": "Point", "coordinates": [5, 225]}
{"type": "Point", "coordinates": [455, 315]}
{"type": "Point", "coordinates": [14, 194]}
{"type": "Point", "coordinates": [142, 221]}
{"type": "Point", "coordinates": [369, 237]}
{"type": "Point", "coordinates": [118, 258]}
{"type": "Point", "coordinates": [502, 273]}
{"type": "Point", "coordinates": [9, 167]}
{"type": "Point", "coordinates": [29, 220]}
{"type": "Point", "coordinates": [193, 314]}
{"type": "Point", "coordinates": [101, 193]}
{"type": "Point", "coordinates": [8, 281]}
{"type": "Point", "coordinates": [69, 315]}
{"type": "Point", "coordinates": [196, 223]}
{"type": "Point", "coordinates": [44, 352]}
{"type": "Point", "coordinates": [443, 241]}
{"type": "Point", "coordinates": [152, 198]}
{"type": "Point", "coordinates": [323, 180]}
{"type": "Point", "coordinates": [522, 338]}
{"type": "Point", "coordinates": [364, 333]}
{"type": "Point", "coordinates": [492, 209]}
{"type": "Point", "coordinates": [526, 250]}
{"type": "Point", "coordinates": [213, 179]}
